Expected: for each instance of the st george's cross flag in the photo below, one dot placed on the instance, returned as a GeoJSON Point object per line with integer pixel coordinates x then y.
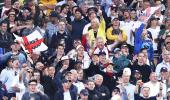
{"type": "Point", "coordinates": [32, 42]}
{"type": "Point", "coordinates": [145, 15]}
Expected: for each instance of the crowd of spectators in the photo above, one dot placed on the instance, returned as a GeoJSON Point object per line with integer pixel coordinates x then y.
{"type": "Point", "coordinates": [97, 50]}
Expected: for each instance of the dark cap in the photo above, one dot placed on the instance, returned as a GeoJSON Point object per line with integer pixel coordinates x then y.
{"type": "Point", "coordinates": [101, 53]}
{"type": "Point", "coordinates": [26, 8]}
{"type": "Point", "coordinates": [84, 92]}
{"type": "Point", "coordinates": [137, 71]}
{"type": "Point", "coordinates": [53, 14]}
{"type": "Point", "coordinates": [116, 89]}
{"type": "Point", "coordinates": [14, 42]}
{"type": "Point", "coordinates": [154, 18]}
{"type": "Point", "coordinates": [164, 69]}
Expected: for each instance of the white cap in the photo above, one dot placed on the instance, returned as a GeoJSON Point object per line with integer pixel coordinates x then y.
{"type": "Point", "coordinates": [64, 58]}
{"type": "Point", "coordinates": [79, 46]}
{"type": "Point", "coordinates": [127, 71]}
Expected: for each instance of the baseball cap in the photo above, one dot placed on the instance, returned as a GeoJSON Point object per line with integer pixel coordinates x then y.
{"type": "Point", "coordinates": [116, 50]}
{"type": "Point", "coordinates": [127, 71]}
{"type": "Point", "coordinates": [84, 92]}
{"type": "Point", "coordinates": [164, 69]}
{"type": "Point", "coordinates": [14, 42]}
{"type": "Point", "coordinates": [53, 14]}
{"type": "Point", "coordinates": [154, 18]}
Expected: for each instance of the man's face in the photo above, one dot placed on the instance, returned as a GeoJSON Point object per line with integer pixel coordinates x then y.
{"type": "Point", "coordinates": [91, 85]}
{"type": "Point", "coordinates": [125, 78]}
{"type": "Point", "coordinates": [115, 23]}
{"type": "Point", "coordinates": [51, 71]}
{"type": "Point", "coordinates": [78, 15]}
{"type": "Point", "coordinates": [99, 80]}
{"type": "Point", "coordinates": [11, 17]}
{"type": "Point", "coordinates": [166, 56]}
{"type": "Point", "coordinates": [4, 27]}
{"type": "Point", "coordinates": [66, 85]}
{"type": "Point", "coordinates": [15, 64]}
{"type": "Point", "coordinates": [61, 26]}
{"type": "Point", "coordinates": [32, 86]}
{"type": "Point", "coordinates": [65, 10]}
{"type": "Point", "coordinates": [146, 92]}
{"type": "Point", "coordinates": [100, 43]}
{"type": "Point", "coordinates": [154, 22]}
{"type": "Point", "coordinates": [146, 5]}
{"type": "Point", "coordinates": [141, 57]}
{"type": "Point", "coordinates": [80, 74]}
{"type": "Point", "coordinates": [126, 15]}
{"type": "Point", "coordinates": [60, 50]}
{"type": "Point", "coordinates": [66, 62]}
{"type": "Point", "coordinates": [167, 43]}
{"type": "Point", "coordinates": [153, 77]}
{"type": "Point", "coordinates": [109, 68]}
{"type": "Point", "coordinates": [37, 75]}
{"type": "Point", "coordinates": [102, 58]}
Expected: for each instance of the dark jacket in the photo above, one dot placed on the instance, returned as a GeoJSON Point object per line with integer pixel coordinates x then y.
{"type": "Point", "coordinates": [58, 82]}
{"type": "Point", "coordinates": [5, 41]}
{"type": "Point", "coordinates": [94, 95]}
{"type": "Point", "coordinates": [60, 95]}
{"type": "Point", "coordinates": [92, 70]}
{"type": "Point", "coordinates": [144, 69]}
{"type": "Point", "coordinates": [34, 96]}
{"type": "Point", "coordinates": [49, 86]}
{"type": "Point", "coordinates": [57, 38]}
{"type": "Point", "coordinates": [77, 28]}
{"type": "Point", "coordinates": [103, 90]}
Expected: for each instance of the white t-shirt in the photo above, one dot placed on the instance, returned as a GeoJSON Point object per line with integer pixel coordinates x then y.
{"type": "Point", "coordinates": [67, 95]}
{"type": "Point", "coordinates": [155, 33]}
{"type": "Point", "coordinates": [155, 88]}
{"type": "Point", "coordinates": [127, 27]}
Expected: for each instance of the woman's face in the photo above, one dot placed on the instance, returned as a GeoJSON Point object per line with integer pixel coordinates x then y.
{"type": "Point", "coordinates": [94, 23]}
